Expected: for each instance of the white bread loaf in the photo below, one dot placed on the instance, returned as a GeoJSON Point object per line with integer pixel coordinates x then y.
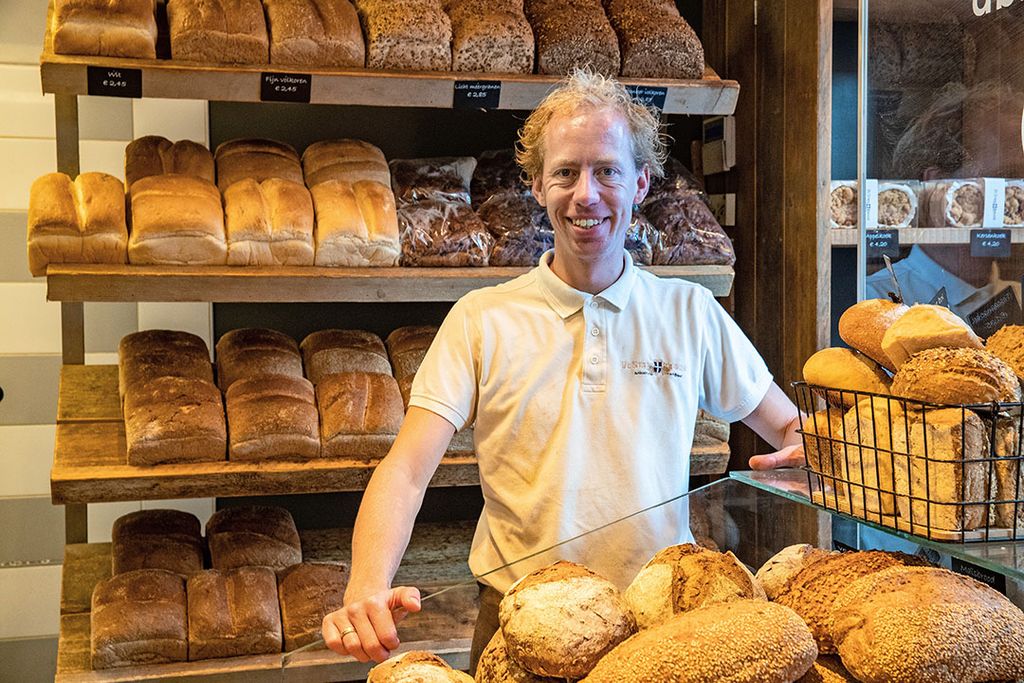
{"type": "Point", "coordinates": [683, 577]}
{"type": "Point", "coordinates": [218, 31]}
{"type": "Point", "coordinates": [176, 220]}
{"type": "Point", "coordinates": [233, 613]}
{"type": "Point", "coordinates": [347, 160]}
{"type": "Point", "coordinates": [174, 419]}
{"type": "Point", "coordinates": [356, 224]}
{"type": "Point", "coordinates": [268, 223]}
{"type": "Point", "coordinates": [846, 371]}
{"type": "Point", "coordinates": [416, 666]}
{"type": "Point", "coordinates": [257, 159]}
{"type": "Point", "coordinates": [272, 417]}
{"type": "Point", "coordinates": [926, 326]}
{"type": "Point", "coordinates": [1007, 344]}
{"type": "Point", "coordinates": [956, 375]}
{"type": "Point", "coordinates": [250, 352]}
{"type": "Point", "coordinates": [108, 28]}
{"type": "Point", "coordinates": [411, 35]}
{"type": "Point", "coordinates": [864, 324]}
{"type": "Point", "coordinates": [76, 222]}
{"type": "Point", "coordinates": [360, 413]}
{"type": "Point", "coordinates": [156, 155]}
{"type": "Point", "coordinates": [328, 352]}
{"type": "Point", "coordinates": [779, 569]}
{"type": "Point", "coordinates": [746, 641]}
{"type": "Point", "coordinates": [561, 619]}
{"type": "Point", "coordinates": [927, 624]}
{"type": "Point", "coordinates": [253, 535]}
{"type": "Point", "coordinates": [320, 33]}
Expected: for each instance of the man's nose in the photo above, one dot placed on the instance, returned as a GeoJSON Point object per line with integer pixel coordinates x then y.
{"type": "Point", "coordinates": [585, 192]}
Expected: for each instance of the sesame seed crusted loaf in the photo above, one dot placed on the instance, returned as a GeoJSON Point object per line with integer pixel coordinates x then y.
{"type": "Point", "coordinates": [781, 567]}
{"type": "Point", "coordinates": [827, 669]}
{"type": "Point", "coordinates": [416, 667]}
{"type": "Point", "coordinates": [813, 590]}
{"type": "Point", "coordinates": [955, 376]}
{"type": "Point", "coordinates": [654, 40]}
{"type": "Point", "coordinates": [745, 641]}
{"type": "Point", "coordinates": [561, 619]}
{"type": "Point", "coordinates": [1007, 344]}
{"type": "Point", "coordinates": [573, 33]}
{"type": "Point", "coordinates": [918, 624]}
{"type": "Point", "coordinates": [683, 577]}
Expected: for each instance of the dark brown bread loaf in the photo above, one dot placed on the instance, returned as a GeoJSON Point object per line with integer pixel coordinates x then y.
{"type": "Point", "coordinates": [328, 352]}
{"type": "Point", "coordinates": [138, 617]}
{"type": "Point", "coordinates": [571, 34]}
{"type": "Point", "coordinates": [253, 536]}
{"type": "Point", "coordinates": [490, 36]}
{"type": "Point", "coordinates": [144, 356]}
{"type": "Point", "coordinates": [360, 413]}
{"type": "Point", "coordinates": [233, 613]}
{"type": "Point", "coordinates": [406, 34]}
{"type": "Point", "coordinates": [654, 40]}
{"type": "Point", "coordinates": [174, 419]}
{"type": "Point", "coordinates": [308, 592]}
{"type": "Point", "coordinates": [157, 539]}
{"type": "Point", "coordinates": [252, 352]}
{"type": "Point", "coordinates": [272, 417]}
{"type": "Point", "coordinates": [690, 234]}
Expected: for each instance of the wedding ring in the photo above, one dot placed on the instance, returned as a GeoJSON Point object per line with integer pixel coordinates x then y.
{"type": "Point", "coordinates": [347, 631]}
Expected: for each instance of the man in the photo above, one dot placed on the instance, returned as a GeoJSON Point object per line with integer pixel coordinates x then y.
{"type": "Point", "coordinates": [583, 376]}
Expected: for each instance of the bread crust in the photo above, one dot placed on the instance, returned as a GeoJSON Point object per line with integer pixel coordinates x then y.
{"type": "Point", "coordinates": [1007, 344]}
{"type": "Point", "coordinates": [315, 33]}
{"type": "Point", "coordinates": [254, 535]}
{"type": "Point", "coordinates": [177, 220]}
{"type": "Point", "coordinates": [233, 613]}
{"type": "Point", "coordinates": [954, 376]}
{"type": "Point", "coordinates": [360, 414]}
{"type": "Point", "coordinates": [272, 417]}
{"type": "Point", "coordinates": [174, 419]}
{"type": "Point", "coordinates": [864, 324]}
{"type": "Point", "coordinates": [218, 31]}
{"type": "Point", "coordinates": [923, 327]}
{"type": "Point", "coordinates": [157, 539]}
{"type": "Point", "coordinates": [156, 155]}
{"type": "Point", "coordinates": [138, 617]}
{"type": "Point", "coordinates": [308, 592]}
{"type": "Point", "coordinates": [846, 370]}
{"type": "Point", "coordinates": [125, 28]}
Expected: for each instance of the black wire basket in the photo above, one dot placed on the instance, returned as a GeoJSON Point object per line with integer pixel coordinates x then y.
{"type": "Point", "coordinates": [945, 472]}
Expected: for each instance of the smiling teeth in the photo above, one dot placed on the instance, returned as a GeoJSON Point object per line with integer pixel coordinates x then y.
{"type": "Point", "coordinates": [584, 222]}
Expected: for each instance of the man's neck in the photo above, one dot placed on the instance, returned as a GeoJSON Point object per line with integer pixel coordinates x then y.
{"type": "Point", "coordinates": [586, 278]}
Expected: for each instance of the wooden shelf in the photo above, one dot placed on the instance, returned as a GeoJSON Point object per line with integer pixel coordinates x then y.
{"type": "Point", "coordinates": [436, 558]}
{"type": "Point", "coordinates": [847, 237]}
{"type": "Point", "coordinates": [311, 284]}
{"type": "Point", "coordinates": [90, 462]}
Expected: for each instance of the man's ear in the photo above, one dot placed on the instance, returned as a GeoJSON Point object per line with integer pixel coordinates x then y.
{"type": "Point", "coordinates": [538, 190]}
{"type": "Point", "coordinates": [643, 184]}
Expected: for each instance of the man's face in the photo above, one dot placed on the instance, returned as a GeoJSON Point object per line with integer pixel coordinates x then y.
{"type": "Point", "coordinates": [589, 185]}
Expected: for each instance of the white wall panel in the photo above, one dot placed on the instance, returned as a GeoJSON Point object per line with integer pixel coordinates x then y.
{"type": "Point", "coordinates": [22, 30]}
{"type": "Point", "coordinates": [26, 454]}
{"type": "Point", "coordinates": [102, 516]}
{"type": "Point", "coordinates": [28, 113]}
{"type": "Point", "coordinates": [194, 318]}
{"type": "Point", "coordinates": [31, 323]}
{"type": "Point", "coordinates": [24, 161]}
{"type": "Point", "coordinates": [173, 119]}
{"type": "Point", "coordinates": [106, 156]}
{"type": "Point", "coordinates": [29, 601]}
{"type": "Point", "coordinates": [106, 323]}
{"type": "Point", "coordinates": [106, 358]}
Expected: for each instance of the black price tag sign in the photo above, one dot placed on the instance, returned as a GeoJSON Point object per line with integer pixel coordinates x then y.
{"type": "Point", "coordinates": [986, 576]}
{"type": "Point", "coordinates": [476, 95]}
{"type": "Point", "coordinates": [277, 87]}
{"type": "Point", "coordinates": [990, 243]}
{"type": "Point", "coordinates": [941, 298]}
{"type": "Point", "coordinates": [883, 243]}
{"type": "Point", "coordinates": [648, 96]}
{"type": "Point", "coordinates": [1000, 310]}
{"type": "Point", "coordinates": [842, 547]}
{"type": "Point", "coordinates": [114, 81]}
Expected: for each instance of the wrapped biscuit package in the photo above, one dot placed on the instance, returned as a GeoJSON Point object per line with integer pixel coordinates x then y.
{"type": "Point", "coordinates": [1013, 207]}
{"type": "Point", "coordinates": [955, 203]}
{"type": "Point", "coordinates": [843, 204]}
{"type": "Point", "coordinates": [898, 203]}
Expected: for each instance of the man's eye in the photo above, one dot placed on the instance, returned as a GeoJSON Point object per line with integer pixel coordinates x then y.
{"type": "Point", "coordinates": [608, 171]}
{"type": "Point", "coordinates": [563, 173]}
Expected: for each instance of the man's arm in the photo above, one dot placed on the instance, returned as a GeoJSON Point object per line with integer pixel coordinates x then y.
{"type": "Point", "coordinates": [383, 527]}
{"type": "Point", "coordinates": [776, 419]}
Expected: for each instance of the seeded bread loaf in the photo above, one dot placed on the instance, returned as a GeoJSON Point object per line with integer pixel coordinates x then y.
{"type": "Point", "coordinates": [571, 34]}
{"type": "Point", "coordinates": [176, 220]}
{"type": "Point", "coordinates": [779, 569]}
{"type": "Point", "coordinates": [272, 417]}
{"type": "Point", "coordinates": [315, 33]}
{"type": "Point", "coordinates": [1007, 344]}
{"type": "Point", "coordinates": [328, 352]}
{"type": "Point", "coordinates": [406, 34]}
{"type": "Point", "coordinates": [118, 28]}
{"type": "Point", "coordinates": [268, 223]}
{"type": "Point", "coordinates": [218, 31]}
{"type": "Point", "coordinates": [251, 352]}
{"type": "Point", "coordinates": [308, 592]}
{"type": "Point", "coordinates": [360, 413]}
{"type": "Point", "coordinates": [490, 36]}
{"type": "Point", "coordinates": [955, 376]}
{"type": "Point", "coordinates": [157, 539]}
{"type": "Point", "coordinates": [174, 419]}
{"type": "Point", "coordinates": [256, 159]}
{"type": "Point", "coordinates": [654, 40]}
{"type": "Point", "coordinates": [156, 155]}
{"type": "Point", "coordinates": [250, 536]}
{"type": "Point", "coordinates": [233, 613]}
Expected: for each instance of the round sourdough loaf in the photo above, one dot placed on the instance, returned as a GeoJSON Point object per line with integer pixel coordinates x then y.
{"type": "Point", "coordinates": [1008, 346]}
{"type": "Point", "coordinates": [955, 376]}
{"type": "Point", "coordinates": [813, 590]}
{"type": "Point", "coordinates": [927, 624]}
{"type": "Point", "coordinates": [745, 641]}
{"type": "Point", "coordinates": [926, 326]}
{"type": "Point", "coordinates": [864, 324]}
{"type": "Point", "coordinates": [416, 667]}
{"type": "Point", "coordinates": [497, 666]}
{"type": "Point", "coordinates": [845, 369]}
{"type": "Point", "coordinates": [827, 669]}
{"type": "Point", "coordinates": [781, 567]}
{"type": "Point", "coordinates": [683, 577]}
{"type": "Point", "coordinates": [561, 619]}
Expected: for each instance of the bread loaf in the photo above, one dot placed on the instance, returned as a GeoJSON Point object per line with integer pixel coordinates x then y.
{"type": "Point", "coordinates": [118, 28]}
{"type": "Point", "coordinates": [76, 222]}
{"type": "Point", "coordinates": [490, 37]}
{"type": "Point", "coordinates": [360, 413]}
{"type": "Point", "coordinates": [308, 592]}
{"type": "Point", "coordinates": [1007, 344]}
{"type": "Point", "coordinates": [415, 666]}
{"type": "Point", "coordinates": [250, 536]}
{"type": "Point", "coordinates": [406, 347]}
{"type": "Point", "coordinates": [561, 619]}
{"type": "Point", "coordinates": [879, 426]}
{"type": "Point", "coordinates": [328, 352]}
{"type": "Point", "coordinates": [315, 33]}
{"type": "Point", "coordinates": [233, 613]}
{"type": "Point", "coordinates": [497, 666]}
{"type": "Point", "coordinates": [176, 220]}
{"type": "Point", "coordinates": [680, 578]}
{"type": "Point", "coordinates": [411, 35]}
{"type": "Point", "coordinates": [955, 376]}
{"type": "Point", "coordinates": [927, 624]}
{"type": "Point", "coordinates": [268, 223]}
{"type": "Point", "coordinates": [442, 233]}
{"type": "Point", "coordinates": [156, 155]}
{"type": "Point", "coordinates": [655, 42]}
{"type": "Point", "coordinates": [256, 159]}
{"type": "Point", "coordinates": [144, 356]}
{"type": "Point", "coordinates": [848, 372]}
{"type": "Point", "coordinates": [218, 31]}
{"type": "Point", "coordinates": [864, 325]}
{"type": "Point", "coordinates": [138, 617]}
{"type": "Point", "coordinates": [746, 641]}
{"type": "Point", "coordinates": [923, 327]}
{"type": "Point", "coordinates": [346, 160]}
{"type": "Point", "coordinates": [827, 669]}
{"type": "Point", "coordinates": [157, 539]}
{"type": "Point", "coordinates": [779, 569]}
{"type": "Point", "coordinates": [272, 417]}
{"type": "Point", "coordinates": [709, 430]}
{"type": "Point", "coordinates": [1009, 475]}
{"type": "Point", "coordinates": [251, 352]}
{"type": "Point", "coordinates": [174, 419]}
{"type": "Point", "coordinates": [823, 436]}
{"type": "Point", "coordinates": [690, 234]}
{"type": "Point", "coordinates": [356, 224]}
{"type": "Point", "coordinates": [813, 590]}
{"type": "Point", "coordinates": [571, 35]}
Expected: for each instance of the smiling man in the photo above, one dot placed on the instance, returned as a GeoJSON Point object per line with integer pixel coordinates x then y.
{"type": "Point", "coordinates": [583, 376]}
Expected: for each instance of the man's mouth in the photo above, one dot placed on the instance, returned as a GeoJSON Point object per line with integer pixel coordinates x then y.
{"type": "Point", "coordinates": [585, 223]}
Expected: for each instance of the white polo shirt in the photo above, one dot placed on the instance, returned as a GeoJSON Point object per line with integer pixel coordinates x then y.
{"type": "Point", "coordinates": [585, 408]}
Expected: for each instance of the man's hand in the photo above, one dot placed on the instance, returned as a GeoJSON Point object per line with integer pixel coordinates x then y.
{"type": "Point", "coordinates": [790, 456]}
{"type": "Point", "coordinates": [365, 628]}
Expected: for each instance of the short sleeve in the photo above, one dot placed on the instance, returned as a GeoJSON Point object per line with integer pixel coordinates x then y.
{"type": "Point", "coordinates": [735, 377]}
{"type": "Point", "coordinates": [446, 382]}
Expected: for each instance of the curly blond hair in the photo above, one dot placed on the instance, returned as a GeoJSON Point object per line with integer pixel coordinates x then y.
{"type": "Point", "coordinates": [584, 88]}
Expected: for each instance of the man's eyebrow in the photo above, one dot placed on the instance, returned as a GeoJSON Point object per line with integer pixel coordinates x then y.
{"type": "Point", "coordinates": [609, 161]}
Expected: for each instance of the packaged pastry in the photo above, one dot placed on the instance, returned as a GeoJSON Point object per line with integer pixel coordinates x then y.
{"type": "Point", "coordinates": [446, 178]}
{"type": "Point", "coordinates": [956, 203]}
{"type": "Point", "coordinates": [843, 204]}
{"type": "Point", "coordinates": [897, 204]}
{"type": "Point", "coordinates": [642, 240]}
{"type": "Point", "coordinates": [435, 232]}
{"type": "Point", "coordinates": [678, 180]}
{"type": "Point", "coordinates": [689, 233]}
{"type": "Point", "coordinates": [1013, 208]}
{"type": "Point", "coordinates": [496, 171]}
{"type": "Point", "coordinates": [520, 227]}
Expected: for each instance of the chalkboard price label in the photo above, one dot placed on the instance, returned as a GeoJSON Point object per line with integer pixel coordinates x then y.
{"type": "Point", "coordinates": [997, 312]}
{"type": "Point", "coordinates": [883, 243]}
{"type": "Point", "coordinates": [990, 243]}
{"type": "Point", "coordinates": [986, 576]}
{"type": "Point", "coordinates": [648, 96]}
{"type": "Point", "coordinates": [476, 95]}
{"type": "Point", "coordinates": [941, 298]}
{"type": "Point", "coordinates": [280, 87]}
{"type": "Point", "coordinates": [114, 81]}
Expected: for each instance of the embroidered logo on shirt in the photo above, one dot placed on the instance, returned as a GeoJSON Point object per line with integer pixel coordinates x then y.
{"type": "Point", "coordinates": [654, 368]}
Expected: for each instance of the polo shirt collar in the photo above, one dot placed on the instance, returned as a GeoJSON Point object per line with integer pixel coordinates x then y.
{"type": "Point", "coordinates": [566, 300]}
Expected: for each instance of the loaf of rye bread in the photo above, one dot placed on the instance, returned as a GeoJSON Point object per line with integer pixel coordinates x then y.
{"type": "Point", "coordinates": [329, 352]}
{"type": "Point", "coordinates": [157, 539]}
{"type": "Point", "coordinates": [144, 356]}
{"type": "Point", "coordinates": [308, 592]}
{"type": "Point", "coordinates": [411, 35]}
{"type": "Point", "coordinates": [173, 420]}
{"type": "Point", "coordinates": [251, 352]}
{"type": "Point", "coordinates": [252, 536]}
{"type": "Point", "coordinates": [571, 34]}
{"type": "Point", "coordinates": [490, 36]}
{"type": "Point", "coordinates": [272, 417]}
{"type": "Point", "coordinates": [360, 413]}
{"type": "Point", "coordinates": [655, 41]}
{"type": "Point", "coordinates": [233, 613]}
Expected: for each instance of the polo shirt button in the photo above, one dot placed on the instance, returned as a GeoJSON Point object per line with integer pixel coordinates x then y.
{"type": "Point", "coordinates": [594, 332]}
{"type": "Point", "coordinates": [593, 360]}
